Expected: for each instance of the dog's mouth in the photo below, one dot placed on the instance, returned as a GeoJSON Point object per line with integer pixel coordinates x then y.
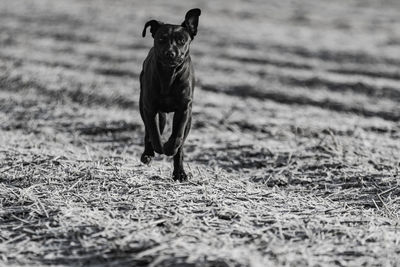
{"type": "Point", "coordinates": [171, 62]}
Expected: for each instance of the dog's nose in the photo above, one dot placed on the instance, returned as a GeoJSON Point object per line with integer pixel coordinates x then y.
{"type": "Point", "coordinates": [170, 54]}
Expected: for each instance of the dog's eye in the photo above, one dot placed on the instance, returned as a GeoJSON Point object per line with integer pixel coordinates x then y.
{"type": "Point", "coordinates": [181, 41]}
{"type": "Point", "coordinates": [162, 40]}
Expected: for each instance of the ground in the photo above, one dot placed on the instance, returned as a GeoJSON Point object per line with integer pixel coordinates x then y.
{"type": "Point", "coordinates": [293, 154]}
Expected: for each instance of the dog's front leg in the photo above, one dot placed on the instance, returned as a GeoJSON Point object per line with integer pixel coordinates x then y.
{"type": "Point", "coordinates": [176, 139]}
{"type": "Point", "coordinates": [154, 131]}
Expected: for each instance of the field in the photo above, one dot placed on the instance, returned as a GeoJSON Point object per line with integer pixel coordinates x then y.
{"type": "Point", "coordinates": [294, 153]}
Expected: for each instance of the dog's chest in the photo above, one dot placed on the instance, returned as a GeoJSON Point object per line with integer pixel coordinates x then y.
{"type": "Point", "coordinates": [168, 103]}
{"type": "Point", "coordinates": [169, 95]}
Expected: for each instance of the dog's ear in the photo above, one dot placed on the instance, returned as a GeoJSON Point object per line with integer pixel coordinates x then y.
{"type": "Point", "coordinates": [192, 21]}
{"type": "Point", "coordinates": [154, 25]}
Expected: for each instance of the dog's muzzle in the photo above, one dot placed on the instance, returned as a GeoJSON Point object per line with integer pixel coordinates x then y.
{"type": "Point", "coordinates": [171, 59]}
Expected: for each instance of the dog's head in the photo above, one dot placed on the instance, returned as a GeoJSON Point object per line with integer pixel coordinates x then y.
{"type": "Point", "coordinates": [171, 42]}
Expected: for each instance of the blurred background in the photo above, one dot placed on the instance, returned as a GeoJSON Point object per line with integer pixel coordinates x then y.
{"type": "Point", "coordinates": [266, 70]}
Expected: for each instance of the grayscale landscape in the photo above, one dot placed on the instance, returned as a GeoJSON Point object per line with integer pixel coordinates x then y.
{"type": "Point", "coordinates": [293, 156]}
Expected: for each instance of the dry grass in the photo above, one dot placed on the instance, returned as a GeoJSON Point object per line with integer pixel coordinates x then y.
{"type": "Point", "coordinates": [294, 153]}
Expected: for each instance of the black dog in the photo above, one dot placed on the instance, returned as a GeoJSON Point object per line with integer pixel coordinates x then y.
{"type": "Point", "coordinates": [166, 85]}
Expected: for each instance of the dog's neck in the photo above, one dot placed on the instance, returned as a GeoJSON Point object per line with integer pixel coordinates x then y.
{"type": "Point", "coordinates": [168, 75]}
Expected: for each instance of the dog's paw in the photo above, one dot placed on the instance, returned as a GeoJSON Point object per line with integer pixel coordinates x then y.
{"type": "Point", "coordinates": [146, 159]}
{"type": "Point", "coordinates": [180, 176]}
{"type": "Point", "coordinates": [171, 147]}
{"type": "Point", "coordinates": [158, 149]}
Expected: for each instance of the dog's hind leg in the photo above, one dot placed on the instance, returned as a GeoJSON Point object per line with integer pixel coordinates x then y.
{"type": "Point", "coordinates": [179, 173]}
